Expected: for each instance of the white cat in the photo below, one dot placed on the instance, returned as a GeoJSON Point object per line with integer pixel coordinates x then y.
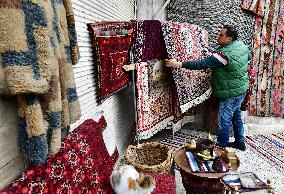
{"type": "Point", "coordinates": [126, 180]}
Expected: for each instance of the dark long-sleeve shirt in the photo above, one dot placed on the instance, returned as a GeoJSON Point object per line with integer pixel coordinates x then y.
{"type": "Point", "coordinates": [216, 60]}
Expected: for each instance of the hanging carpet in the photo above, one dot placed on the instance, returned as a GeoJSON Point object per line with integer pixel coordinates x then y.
{"type": "Point", "coordinates": [267, 94]}
{"type": "Point", "coordinates": [111, 41]}
{"type": "Point", "coordinates": [148, 41]}
{"type": "Point", "coordinates": [186, 42]}
{"type": "Point", "coordinates": [148, 47]}
{"type": "Point", "coordinates": [38, 47]}
{"type": "Point", "coordinates": [154, 98]}
{"type": "Point", "coordinates": [254, 6]}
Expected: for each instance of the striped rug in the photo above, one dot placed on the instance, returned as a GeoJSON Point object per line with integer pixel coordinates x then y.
{"type": "Point", "coordinates": [181, 138]}
{"type": "Point", "coordinates": [270, 147]}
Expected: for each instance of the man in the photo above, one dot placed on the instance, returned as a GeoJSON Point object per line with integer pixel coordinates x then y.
{"type": "Point", "coordinates": [229, 83]}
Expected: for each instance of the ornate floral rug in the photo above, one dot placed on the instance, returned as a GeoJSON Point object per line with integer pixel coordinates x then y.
{"type": "Point", "coordinates": [186, 42]}
{"type": "Point", "coordinates": [111, 50]}
{"type": "Point", "coordinates": [154, 98]}
{"type": "Point", "coordinates": [270, 147]}
{"type": "Point", "coordinates": [82, 165]}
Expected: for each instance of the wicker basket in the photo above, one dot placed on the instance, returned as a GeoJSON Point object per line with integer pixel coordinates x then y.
{"type": "Point", "coordinates": [150, 157]}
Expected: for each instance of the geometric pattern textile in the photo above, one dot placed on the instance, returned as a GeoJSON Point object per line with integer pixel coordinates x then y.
{"type": "Point", "coordinates": [38, 47]}
{"type": "Point", "coordinates": [233, 181]}
{"type": "Point", "coordinates": [270, 147]}
{"type": "Point", "coordinates": [267, 87]}
{"type": "Point", "coordinates": [211, 15]}
{"type": "Point", "coordinates": [82, 165]}
{"type": "Point", "coordinates": [253, 5]}
{"type": "Point", "coordinates": [186, 42]}
{"type": "Point", "coordinates": [111, 52]}
{"type": "Point", "coordinates": [165, 183]}
{"type": "Point", "coordinates": [154, 98]}
{"type": "Point", "coordinates": [148, 45]}
{"type": "Point", "coordinates": [147, 41]}
{"type": "Point", "coordinates": [181, 138]}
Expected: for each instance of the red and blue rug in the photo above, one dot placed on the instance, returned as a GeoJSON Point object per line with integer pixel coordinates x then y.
{"type": "Point", "coordinates": [270, 147]}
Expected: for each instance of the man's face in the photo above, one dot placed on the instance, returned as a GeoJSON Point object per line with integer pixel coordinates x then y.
{"type": "Point", "coordinates": [223, 39]}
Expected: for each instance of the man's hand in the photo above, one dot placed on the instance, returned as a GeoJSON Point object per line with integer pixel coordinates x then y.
{"type": "Point", "coordinates": [172, 63]}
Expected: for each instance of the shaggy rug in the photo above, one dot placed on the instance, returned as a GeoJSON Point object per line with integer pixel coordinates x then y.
{"type": "Point", "coordinates": [270, 147]}
{"type": "Point", "coordinates": [37, 67]}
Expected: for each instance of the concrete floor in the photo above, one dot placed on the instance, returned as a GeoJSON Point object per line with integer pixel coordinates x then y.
{"type": "Point", "coordinates": [250, 161]}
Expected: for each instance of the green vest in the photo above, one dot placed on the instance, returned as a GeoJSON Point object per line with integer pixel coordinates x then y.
{"type": "Point", "coordinates": [232, 80]}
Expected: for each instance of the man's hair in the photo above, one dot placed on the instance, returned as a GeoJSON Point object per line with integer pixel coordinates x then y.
{"type": "Point", "coordinates": [231, 32]}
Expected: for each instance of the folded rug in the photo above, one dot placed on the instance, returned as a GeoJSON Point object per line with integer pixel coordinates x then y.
{"type": "Point", "coordinates": [82, 165]}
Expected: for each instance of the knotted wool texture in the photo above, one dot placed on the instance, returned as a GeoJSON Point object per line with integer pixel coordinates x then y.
{"type": "Point", "coordinates": [148, 41]}
{"type": "Point", "coordinates": [186, 42]}
{"type": "Point", "coordinates": [38, 46]}
{"type": "Point", "coordinates": [154, 98]}
{"type": "Point", "coordinates": [111, 53]}
{"type": "Point", "coordinates": [82, 165]}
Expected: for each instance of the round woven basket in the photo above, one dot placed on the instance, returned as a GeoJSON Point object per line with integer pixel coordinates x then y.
{"type": "Point", "coordinates": [150, 157]}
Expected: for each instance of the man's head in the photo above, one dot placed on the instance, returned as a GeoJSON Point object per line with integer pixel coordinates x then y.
{"type": "Point", "coordinates": [227, 35]}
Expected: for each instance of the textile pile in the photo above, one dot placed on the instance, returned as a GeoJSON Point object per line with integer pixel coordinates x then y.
{"type": "Point", "coordinates": [160, 88]}
{"type": "Point", "coordinates": [38, 47]}
{"type": "Point", "coordinates": [185, 42]}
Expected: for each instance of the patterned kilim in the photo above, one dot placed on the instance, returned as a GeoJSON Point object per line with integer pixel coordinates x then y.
{"type": "Point", "coordinates": [271, 147]}
{"type": "Point", "coordinates": [83, 165]}
{"type": "Point", "coordinates": [111, 53]}
{"type": "Point", "coordinates": [203, 166]}
{"type": "Point", "coordinates": [38, 47]}
{"type": "Point", "coordinates": [267, 88]}
{"type": "Point", "coordinates": [186, 42]}
{"type": "Point", "coordinates": [154, 98]}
